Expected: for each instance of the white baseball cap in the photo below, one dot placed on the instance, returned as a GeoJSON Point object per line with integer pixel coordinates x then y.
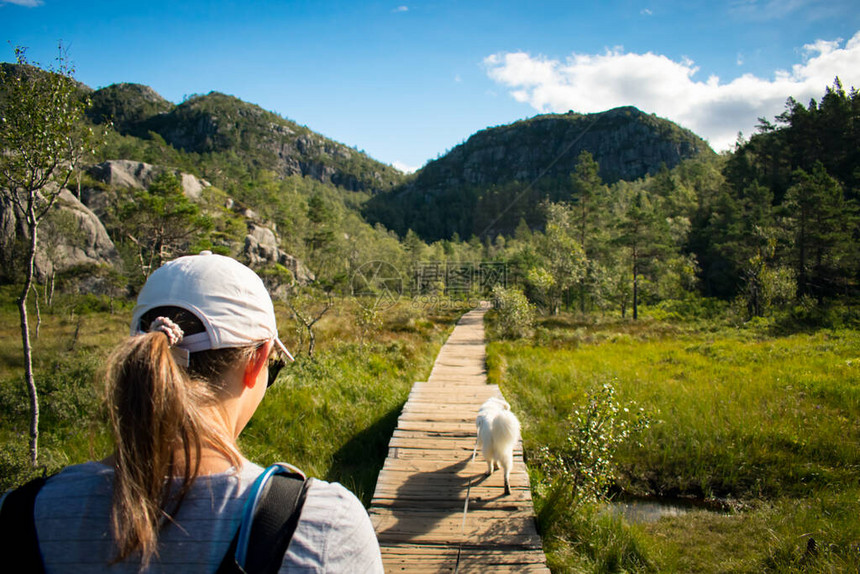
{"type": "Point", "coordinates": [229, 299]}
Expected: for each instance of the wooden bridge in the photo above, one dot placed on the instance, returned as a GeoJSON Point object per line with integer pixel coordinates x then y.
{"type": "Point", "coordinates": [434, 510]}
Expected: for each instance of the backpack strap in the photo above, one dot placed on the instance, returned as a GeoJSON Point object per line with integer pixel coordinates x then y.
{"type": "Point", "coordinates": [18, 526]}
{"type": "Point", "coordinates": [269, 519]}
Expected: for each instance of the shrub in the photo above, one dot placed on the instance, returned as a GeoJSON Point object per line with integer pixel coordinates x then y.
{"type": "Point", "coordinates": [690, 307]}
{"type": "Point", "coordinates": [586, 459]}
{"type": "Point", "coordinates": [516, 315]}
{"type": "Point", "coordinates": [368, 319]}
{"type": "Point", "coordinates": [73, 418]}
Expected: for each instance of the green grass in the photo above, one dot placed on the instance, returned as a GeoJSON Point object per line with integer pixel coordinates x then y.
{"type": "Point", "coordinates": [769, 423]}
{"type": "Point", "coordinates": [331, 415]}
{"type": "Point", "coordinates": [334, 415]}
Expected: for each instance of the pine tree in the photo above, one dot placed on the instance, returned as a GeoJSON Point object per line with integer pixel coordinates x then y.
{"type": "Point", "coordinates": [822, 224]}
{"type": "Point", "coordinates": [644, 232]}
{"type": "Point", "coordinates": [161, 223]}
{"type": "Point", "coordinates": [589, 219]}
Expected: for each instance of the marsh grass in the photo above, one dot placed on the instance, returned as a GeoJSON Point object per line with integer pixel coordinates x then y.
{"type": "Point", "coordinates": [770, 423]}
{"type": "Point", "coordinates": [331, 415]}
{"type": "Point", "coordinates": [334, 415]}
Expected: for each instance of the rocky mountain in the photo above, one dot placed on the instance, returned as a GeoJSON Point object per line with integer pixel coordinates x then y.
{"type": "Point", "coordinates": [74, 236]}
{"type": "Point", "coordinates": [216, 123]}
{"type": "Point", "coordinates": [534, 157]}
{"type": "Point", "coordinates": [128, 107]}
{"type": "Point", "coordinates": [626, 142]}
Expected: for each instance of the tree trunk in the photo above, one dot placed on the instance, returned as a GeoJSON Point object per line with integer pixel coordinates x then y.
{"type": "Point", "coordinates": [635, 285]}
{"type": "Point", "coordinates": [38, 312]}
{"type": "Point", "coordinates": [312, 342]}
{"type": "Point", "coordinates": [49, 289]}
{"type": "Point", "coordinates": [635, 297]}
{"type": "Point", "coordinates": [802, 279]}
{"type": "Point", "coordinates": [25, 341]}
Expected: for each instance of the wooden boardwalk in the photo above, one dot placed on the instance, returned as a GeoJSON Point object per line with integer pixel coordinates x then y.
{"type": "Point", "coordinates": [418, 507]}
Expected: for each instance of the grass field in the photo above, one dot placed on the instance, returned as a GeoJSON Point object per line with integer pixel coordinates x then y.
{"type": "Point", "coordinates": [767, 425]}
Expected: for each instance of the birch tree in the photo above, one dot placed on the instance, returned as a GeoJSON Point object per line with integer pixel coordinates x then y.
{"type": "Point", "coordinates": [42, 140]}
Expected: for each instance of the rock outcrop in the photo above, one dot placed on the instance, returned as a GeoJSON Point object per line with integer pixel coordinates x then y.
{"type": "Point", "coordinates": [70, 236]}
{"type": "Point", "coordinates": [85, 242]}
{"type": "Point", "coordinates": [626, 142]}
{"type": "Point", "coordinates": [261, 249]}
{"type": "Point", "coordinates": [139, 175]}
{"type": "Point", "coordinates": [261, 246]}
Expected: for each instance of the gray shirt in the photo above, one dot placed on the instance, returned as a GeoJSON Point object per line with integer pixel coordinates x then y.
{"type": "Point", "coordinates": [334, 533]}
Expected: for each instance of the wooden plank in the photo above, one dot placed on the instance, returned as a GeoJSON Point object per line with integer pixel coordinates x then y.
{"type": "Point", "coordinates": [489, 528]}
{"type": "Point", "coordinates": [438, 431]}
{"type": "Point", "coordinates": [465, 467]}
{"type": "Point", "coordinates": [461, 443]}
{"type": "Point", "coordinates": [429, 425]}
{"type": "Point", "coordinates": [497, 556]}
{"type": "Point", "coordinates": [480, 497]}
{"type": "Point", "coordinates": [438, 455]}
{"type": "Point", "coordinates": [418, 558]}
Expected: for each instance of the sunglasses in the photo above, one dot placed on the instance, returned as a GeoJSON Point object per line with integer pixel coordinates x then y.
{"type": "Point", "coordinates": [276, 363]}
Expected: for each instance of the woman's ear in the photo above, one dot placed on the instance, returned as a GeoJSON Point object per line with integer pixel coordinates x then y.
{"type": "Point", "coordinates": [256, 364]}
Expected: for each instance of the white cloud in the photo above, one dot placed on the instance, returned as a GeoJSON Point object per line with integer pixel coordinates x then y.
{"type": "Point", "coordinates": [657, 84]}
{"type": "Point", "coordinates": [646, 12]}
{"type": "Point", "coordinates": [404, 168]}
{"type": "Point", "coordinates": [401, 9]}
{"type": "Point", "coordinates": [25, 3]}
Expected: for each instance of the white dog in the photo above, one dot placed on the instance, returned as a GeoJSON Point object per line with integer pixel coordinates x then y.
{"type": "Point", "coordinates": [498, 433]}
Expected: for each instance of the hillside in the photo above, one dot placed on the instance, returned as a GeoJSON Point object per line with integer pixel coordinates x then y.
{"type": "Point", "coordinates": [626, 142]}
{"type": "Point", "coordinates": [218, 124]}
{"type": "Point", "coordinates": [128, 107]}
{"type": "Point", "coordinates": [234, 178]}
{"type": "Point", "coordinates": [536, 156]}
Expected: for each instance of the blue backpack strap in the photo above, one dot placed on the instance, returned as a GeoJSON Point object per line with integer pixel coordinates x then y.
{"type": "Point", "coordinates": [269, 519]}
{"type": "Point", "coordinates": [18, 536]}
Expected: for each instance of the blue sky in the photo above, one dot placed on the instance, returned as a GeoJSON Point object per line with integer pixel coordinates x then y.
{"type": "Point", "coordinates": [407, 81]}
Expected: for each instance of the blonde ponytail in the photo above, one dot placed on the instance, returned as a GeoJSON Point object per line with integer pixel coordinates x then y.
{"type": "Point", "coordinates": [162, 420]}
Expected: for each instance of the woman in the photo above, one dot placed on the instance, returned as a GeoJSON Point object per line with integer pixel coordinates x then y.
{"type": "Point", "coordinates": [204, 346]}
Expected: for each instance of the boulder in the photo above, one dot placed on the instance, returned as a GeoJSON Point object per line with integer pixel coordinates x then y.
{"type": "Point", "coordinates": [191, 186]}
{"type": "Point", "coordinates": [139, 175]}
{"type": "Point", "coordinates": [261, 249]}
{"type": "Point", "coordinates": [124, 173]}
{"type": "Point", "coordinates": [86, 242]}
{"type": "Point", "coordinates": [70, 236]}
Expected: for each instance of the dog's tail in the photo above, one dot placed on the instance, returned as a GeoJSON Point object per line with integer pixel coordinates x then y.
{"type": "Point", "coordinates": [480, 422]}
{"type": "Point", "coordinates": [506, 430]}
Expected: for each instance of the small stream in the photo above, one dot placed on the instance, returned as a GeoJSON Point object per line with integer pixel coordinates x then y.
{"type": "Point", "coordinates": [642, 510]}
